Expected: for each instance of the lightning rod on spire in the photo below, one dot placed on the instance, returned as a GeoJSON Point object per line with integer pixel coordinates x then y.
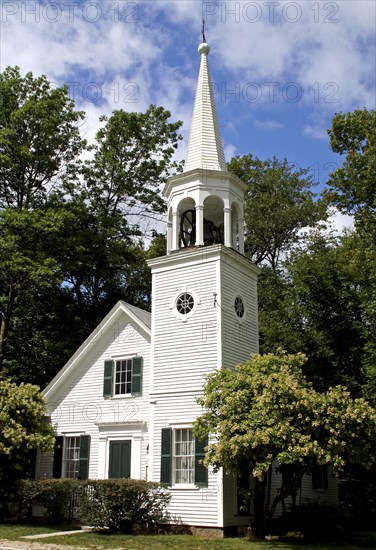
{"type": "Point", "coordinates": [203, 31]}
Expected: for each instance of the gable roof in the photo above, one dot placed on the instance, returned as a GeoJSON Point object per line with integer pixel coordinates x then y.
{"type": "Point", "coordinates": [139, 316]}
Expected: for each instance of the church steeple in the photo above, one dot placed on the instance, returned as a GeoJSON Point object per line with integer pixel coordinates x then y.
{"type": "Point", "coordinates": [205, 149]}
{"type": "Point", "coordinates": [205, 201]}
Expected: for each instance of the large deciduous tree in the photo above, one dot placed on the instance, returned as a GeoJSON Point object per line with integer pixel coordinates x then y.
{"type": "Point", "coordinates": [119, 196]}
{"type": "Point", "coordinates": [352, 189]}
{"type": "Point", "coordinates": [39, 138]}
{"type": "Point", "coordinates": [321, 308]}
{"type": "Point", "coordinates": [279, 204]}
{"type": "Point", "coordinates": [28, 266]}
{"type": "Point", "coordinates": [132, 159]}
{"type": "Point", "coordinates": [265, 411]}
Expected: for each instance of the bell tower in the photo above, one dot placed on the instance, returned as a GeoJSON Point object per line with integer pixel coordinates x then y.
{"type": "Point", "coordinates": [205, 201]}
{"type": "Point", "coordinates": [204, 314]}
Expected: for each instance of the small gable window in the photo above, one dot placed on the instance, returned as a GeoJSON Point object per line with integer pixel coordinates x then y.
{"type": "Point", "coordinates": [122, 377]}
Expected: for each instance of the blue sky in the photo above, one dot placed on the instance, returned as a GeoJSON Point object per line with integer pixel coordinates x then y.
{"type": "Point", "coordinates": [280, 69]}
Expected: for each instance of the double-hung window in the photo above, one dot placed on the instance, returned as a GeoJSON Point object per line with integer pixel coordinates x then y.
{"type": "Point", "coordinates": [122, 377]}
{"type": "Point", "coordinates": [181, 458]}
{"type": "Point", "coordinates": [71, 456]}
{"type": "Point", "coordinates": [184, 456]}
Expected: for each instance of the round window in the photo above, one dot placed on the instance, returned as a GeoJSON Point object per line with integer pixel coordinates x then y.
{"type": "Point", "coordinates": [185, 303]}
{"type": "Point", "coordinates": [239, 307]}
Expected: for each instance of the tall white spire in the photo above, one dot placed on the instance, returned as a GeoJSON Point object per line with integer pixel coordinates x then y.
{"type": "Point", "coordinates": [205, 201]}
{"type": "Point", "coordinates": [205, 149]}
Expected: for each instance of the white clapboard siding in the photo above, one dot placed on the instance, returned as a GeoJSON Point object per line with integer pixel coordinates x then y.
{"type": "Point", "coordinates": [239, 336]}
{"type": "Point", "coordinates": [79, 407]}
{"type": "Point", "coordinates": [200, 506]}
{"type": "Point", "coordinates": [184, 351]}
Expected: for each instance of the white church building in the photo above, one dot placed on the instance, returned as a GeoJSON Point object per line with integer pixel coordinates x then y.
{"type": "Point", "coordinates": [124, 404]}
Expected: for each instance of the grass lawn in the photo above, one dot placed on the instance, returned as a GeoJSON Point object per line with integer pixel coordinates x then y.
{"type": "Point", "coordinates": [160, 542]}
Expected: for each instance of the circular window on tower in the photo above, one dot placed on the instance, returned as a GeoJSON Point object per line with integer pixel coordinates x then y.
{"type": "Point", "coordinates": [239, 307]}
{"type": "Point", "coordinates": [185, 303]}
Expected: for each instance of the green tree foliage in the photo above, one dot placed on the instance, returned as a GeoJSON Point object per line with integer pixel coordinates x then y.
{"type": "Point", "coordinates": [132, 158]}
{"type": "Point", "coordinates": [22, 430]}
{"type": "Point", "coordinates": [27, 266]}
{"type": "Point", "coordinates": [279, 204]}
{"type": "Point", "coordinates": [315, 306]}
{"type": "Point", "coordinates": [352, 188]}
{"type": "Point", "coordinates": [265, 410]}
{"type": "Point", "coordinates": [39, 138]}
{"type": "Point", "coordinates": [101, 259]}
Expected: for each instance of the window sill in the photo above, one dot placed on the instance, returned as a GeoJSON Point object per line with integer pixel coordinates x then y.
{"type": "Point", "coordinates": [123, 396]}
{"type": "Point", "coordinates": [185, 487]}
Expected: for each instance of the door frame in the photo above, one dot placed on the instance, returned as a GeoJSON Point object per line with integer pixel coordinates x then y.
{"type": "Point", "coordinates": [110, 432]}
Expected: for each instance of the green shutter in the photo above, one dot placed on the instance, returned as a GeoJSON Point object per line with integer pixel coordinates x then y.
{"type": "Point", "coordinates": [137, 375]}
{"type": "Point", "coordinates": [58, 457]}
{"type": "Point", "coordinates": [201, 472]}
{"type": "Point", "coordinates": [83, 467]}
{"type": "Point", "coordinates": [107, 380]}
{"type": "Point", "coordinates": [166, 452]}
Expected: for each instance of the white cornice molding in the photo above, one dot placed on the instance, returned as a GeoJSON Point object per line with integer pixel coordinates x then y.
{"type": "Point", "coordinates": [202, 254]}
{"type": "Point", "coordinates": [204, 178]}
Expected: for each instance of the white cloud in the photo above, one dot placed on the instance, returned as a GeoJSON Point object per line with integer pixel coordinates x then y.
{"type": "Point", "coordinates": [316, 132]}
{"type": "Point", "coordinates": [323, 46]}
{"type": "Point", "coordinates": [268, 124]}
{"type": "Point", "coordinates": [230, 151]}
{"type": "Point", "coordinates": [151, 53]}
{"type": "Point", "coordinates": [338, 221]}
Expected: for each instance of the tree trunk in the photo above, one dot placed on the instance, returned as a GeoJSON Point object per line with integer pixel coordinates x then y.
{"type": "Point", "coordinates": [5, 319]}
{"type": "Point", "coordinates": [258, 523]}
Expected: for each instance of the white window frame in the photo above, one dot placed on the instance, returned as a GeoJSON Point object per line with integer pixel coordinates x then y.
{"type": "Point", "coordinates": [183, 457]}
{"type": "Point", "coordinates": [184, 316]}
{"type": "Point", "coordinates": [127, 382]}
{"type": "Point", "coordinates": [74, 461]}
{"type": "Point", "coordinates": [242, 319]}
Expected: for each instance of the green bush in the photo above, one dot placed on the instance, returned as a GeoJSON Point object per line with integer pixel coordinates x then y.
{"type": "Point", "coordinates": [57, 496]}
{"type": "Point", "coordinates": [121, 505]}
{"type": "Point", "coordinates": [115, 505]}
